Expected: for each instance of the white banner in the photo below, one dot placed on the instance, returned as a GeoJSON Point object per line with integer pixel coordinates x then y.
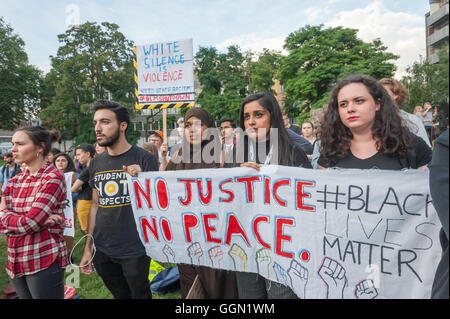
{"type": "Point", "coordinates": [324, 233]}
{"type": "Point", "coordinates": [69, 228]}
{"type": "Point", "coordinates": [165, 72]}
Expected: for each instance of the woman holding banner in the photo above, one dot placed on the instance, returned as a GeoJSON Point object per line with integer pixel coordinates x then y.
{"type": "Point", "coordinates": [266, 142]}
{"type": "Point", "coordinates": [198, 281]}
{"type": "Point", "coordinates": [37, 253]}
{"type": "Point", "coordinates": [363, 129]}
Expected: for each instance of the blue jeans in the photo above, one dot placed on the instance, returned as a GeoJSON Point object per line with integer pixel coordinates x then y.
{"type": "Point", "coordinates": [45, 284]}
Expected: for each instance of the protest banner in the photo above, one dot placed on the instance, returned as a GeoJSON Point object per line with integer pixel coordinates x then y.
{"type": "Point", "coordinates": [164, 75]}
{"type": "Point", "coordinates": [325, 233]}
{"type": "Point", "coordinates": [69, 227]}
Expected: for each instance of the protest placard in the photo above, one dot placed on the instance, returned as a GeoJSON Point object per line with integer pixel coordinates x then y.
{"type": "Point", "coordinates": [324, 233]}
{"type": "Point", "coordinates": [164, 75]}
{"type": "Point", "coordinates": [69, 227]}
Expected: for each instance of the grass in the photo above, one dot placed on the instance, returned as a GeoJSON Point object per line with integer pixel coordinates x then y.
{"type": "Point", "coordinates": [90, 287]}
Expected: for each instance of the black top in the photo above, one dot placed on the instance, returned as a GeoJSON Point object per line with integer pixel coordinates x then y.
{"type": "Point", "coordinates": [421, 157]}
{"type": "Point", "coordinates": [85, 192]}
{"type": "Point", "coordinates": [439, 180]}
{"type": "Point", "coordinates": [298, 156]}
{"type": "Point", "coordinates": [300, 141]}
{"type": "Point", "coordinates": [115, 232]}
{"type": "Point", "coordinates": [296, 129]}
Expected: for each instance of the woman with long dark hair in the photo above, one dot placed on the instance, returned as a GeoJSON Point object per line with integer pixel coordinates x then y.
{"type": "Point", "coordinates": [363, 129]}
{"type": "Point", "coordinates": [31, 214]}
{"type": "Point", "coordinates": [265, 142]}
{"type": "Point", "coordinates": [193, 154]}
{"type": "Point", "coordinates": [261, 119]}
{"type": "Point", "coordinates": [64, 163]}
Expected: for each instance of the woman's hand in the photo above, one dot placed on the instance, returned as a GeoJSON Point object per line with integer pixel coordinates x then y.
{"type": "Point", "coordinates": [53, 220]}
{"type": "Point", "coordinates": [251, 165]}
{"type": "Point", "coordinates": [164, 149]}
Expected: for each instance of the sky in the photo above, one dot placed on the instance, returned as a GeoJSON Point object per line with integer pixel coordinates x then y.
{"type": "Point", "coordinates": [251, 24]}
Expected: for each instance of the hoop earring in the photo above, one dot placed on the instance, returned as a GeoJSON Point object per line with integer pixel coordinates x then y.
{"type": "Point", "coordinates": [37, 154]}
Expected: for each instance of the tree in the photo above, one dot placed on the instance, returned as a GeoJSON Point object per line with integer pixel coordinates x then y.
{"type": "Point", "coordinates": [19, 81]}
{"type": "Point", "coordinates": [319, 57]}
{"type": "Point", "coordinates": [426, 82]}
{"type": "Point", "coordinates": [264, 70]}
{"type": "Point", "coordinates": [94, 62]}
{"type": "Point", "coordinates": [227, 78]}
{"type": "Point", "coordinates": [223, 80]}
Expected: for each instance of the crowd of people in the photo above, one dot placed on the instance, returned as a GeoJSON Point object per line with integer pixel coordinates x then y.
{"type": "Point", "coordinates": [362, 127]}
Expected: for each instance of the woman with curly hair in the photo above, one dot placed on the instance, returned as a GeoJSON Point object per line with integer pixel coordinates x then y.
{"type": "Point", "coordinates": [363, 129]}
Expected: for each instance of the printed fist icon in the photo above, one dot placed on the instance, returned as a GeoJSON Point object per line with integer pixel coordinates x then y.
{"type": "Point", "coordinates": [366, 290]}
{"type": "Point", "coordinates": [333, 274]}
{"type": "Point", "coordinates": [195, 253]}
{"type": "Point", "coordinates": [263, 261]}
{"type": "Point", "coordinates": [239, 257]}
{"type": "Point", "coordinates": [216, 256]}
{"type": "Point", "coordinates": [298, 276]}
{"type": "Point", "coordinates": [169, 253]}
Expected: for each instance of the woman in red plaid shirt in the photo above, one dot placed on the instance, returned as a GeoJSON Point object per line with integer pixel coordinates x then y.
{"type": "Point", "coordinates": [31, 216]}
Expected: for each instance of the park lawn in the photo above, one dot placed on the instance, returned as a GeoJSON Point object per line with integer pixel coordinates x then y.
{"type": "Point", "coordinates": [90, 287]}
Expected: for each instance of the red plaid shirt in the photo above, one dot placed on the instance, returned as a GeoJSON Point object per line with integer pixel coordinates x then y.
{"type": "Point", "coordinates": [30, 200]}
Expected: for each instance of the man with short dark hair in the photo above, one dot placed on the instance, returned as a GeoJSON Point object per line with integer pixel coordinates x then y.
{"type": "Point", "coordinates": [8, 170]}
{"type": "Point", "coordinates": [227, 129]}
{"type": "Point", "coordinates": [290, 126]}
{"type": "Point", "coordinates": [120, 257]}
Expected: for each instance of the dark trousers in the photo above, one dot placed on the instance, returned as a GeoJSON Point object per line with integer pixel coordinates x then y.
{"type": "Point", "coordinates": [254, 286]}
{"type": "Point", "coordinates": [45, 284]}
{"type": "Point", "coordinates": [215, 283]}
{"type": "Point", "coordinates": [429, 130]}
{"type": "Point", "coordinates": [125, 278]}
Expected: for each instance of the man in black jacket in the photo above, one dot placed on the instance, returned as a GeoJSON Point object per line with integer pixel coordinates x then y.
{"type": "Point", "coordinates": [439, 192]}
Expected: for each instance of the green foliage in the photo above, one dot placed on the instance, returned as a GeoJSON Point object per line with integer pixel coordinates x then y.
{"type": "Point", "coordinates": [19, 81]}
{"type": "Point", "coordinates": [319, 57]}
{"type": "Point", "coordinates": [427, 82]}
{"type": "Point", "coordinates": [93, 62]}
{"type": "Point", "coordinates": [223, 80]}
{"type": "Point", "coordinates": [303, 117]}
{"type": "Point", "coordinates": [227, 77]}
{"type": "Point", "coordinates": [264, 70]}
